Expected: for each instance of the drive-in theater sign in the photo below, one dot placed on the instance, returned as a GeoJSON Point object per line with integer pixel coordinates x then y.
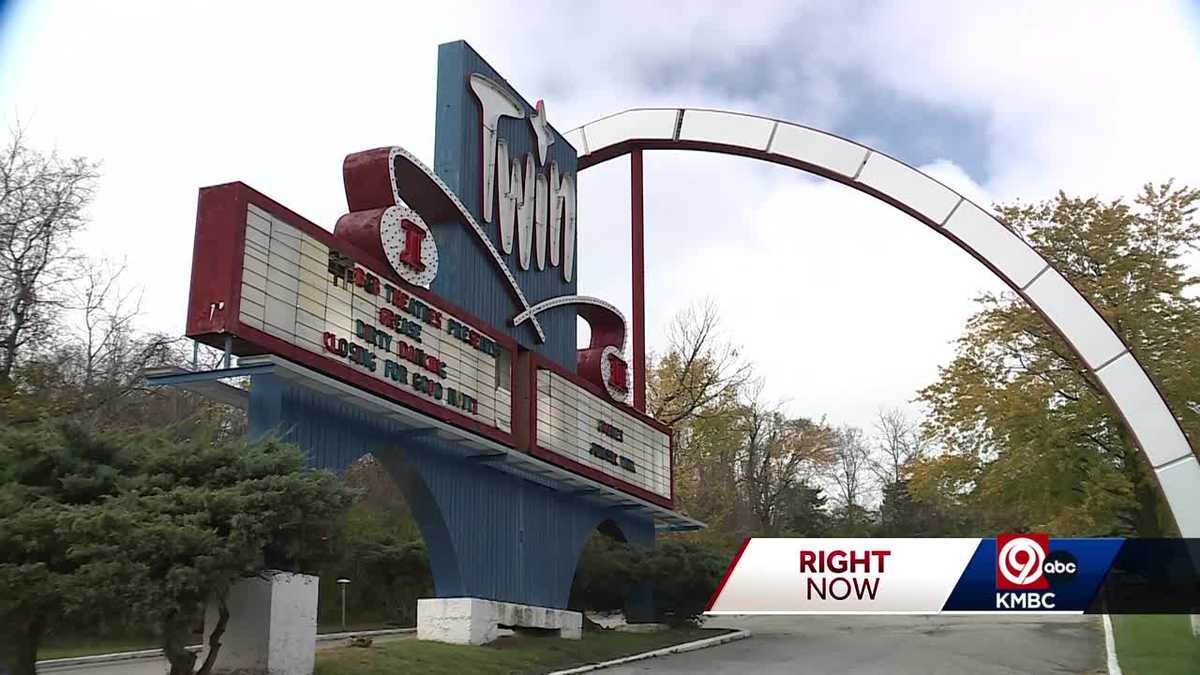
{"type": "Point", "coordinates": [435, 327]}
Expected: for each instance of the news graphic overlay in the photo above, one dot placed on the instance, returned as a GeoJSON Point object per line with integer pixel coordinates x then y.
{"type": "Point", "coordinates": [1012, 573]}
{"type": "Point", "coordinates": [1019, 560]}
{"type": "Point", "coordinates": [842, 576]}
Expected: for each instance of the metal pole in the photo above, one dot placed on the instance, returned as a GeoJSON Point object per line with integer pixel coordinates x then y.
{"type": "Point", "coordinates": [638, 240]}
{"type": "Point", "coordinates": [343, 607]}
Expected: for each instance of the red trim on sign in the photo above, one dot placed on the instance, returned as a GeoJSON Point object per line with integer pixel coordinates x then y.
{"type": "Point", "coordinates": [219, 241]}
{"type": "Point", "coordinates": [512, 395]}
{"type": "Point", "coordinates": [671, 462]}
{"type": "Point", "coordinates": [531, 442]}
{"type": "Point", "coordinates": [728, 573]}
{"type": "Point", "coordinates": [638, 239]}
{"type": "Point", "coordinates": [608, 329]}
{"type": "Point", "coordinates": [367, 179]}
{"type": "Point", "coordinates": [361, 229]}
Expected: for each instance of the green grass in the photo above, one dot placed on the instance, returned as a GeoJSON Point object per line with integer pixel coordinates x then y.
{"type": "Point", "coordinates": [522, 653]}
{"type": "Point", "coordinates": [1156, 644]}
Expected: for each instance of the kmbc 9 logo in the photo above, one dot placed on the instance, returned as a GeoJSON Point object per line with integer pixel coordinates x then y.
{"type": "Point", "coordinates": [1024, 562]}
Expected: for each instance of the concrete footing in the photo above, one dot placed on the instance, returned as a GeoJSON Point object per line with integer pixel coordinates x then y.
{"type": "Point", "coordinates": [272, 627]}
{"type": "Point", "coordinates": [475, 621]}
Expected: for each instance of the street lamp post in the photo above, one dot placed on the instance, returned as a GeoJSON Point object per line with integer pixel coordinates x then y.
{"type": "Point", "coordinates": [343, 582]}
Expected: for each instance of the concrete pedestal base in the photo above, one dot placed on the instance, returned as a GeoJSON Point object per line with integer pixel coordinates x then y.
{"type": "Point", "coordinates": [474, 621]}
{"type": "Point", "coordinates": [272, 627]}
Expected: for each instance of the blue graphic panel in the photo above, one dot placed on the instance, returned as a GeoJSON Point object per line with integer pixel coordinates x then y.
{"type": "Point", "coordinates": [977, 590]}
{"type": "Point", "coordinates": [468, 276]}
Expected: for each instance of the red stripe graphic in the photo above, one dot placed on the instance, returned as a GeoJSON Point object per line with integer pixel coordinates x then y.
{"type": "Point", "coordinates": [729, 572]}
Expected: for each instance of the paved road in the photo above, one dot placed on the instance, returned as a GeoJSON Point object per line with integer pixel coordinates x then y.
{"type": "Point", "coordinates": [894, 645]}
{"type": "Point", "coordinates": [861, 645]}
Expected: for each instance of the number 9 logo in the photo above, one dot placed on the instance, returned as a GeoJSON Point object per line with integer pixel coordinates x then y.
{"type": "Point", "coordinates": [1020, 561]}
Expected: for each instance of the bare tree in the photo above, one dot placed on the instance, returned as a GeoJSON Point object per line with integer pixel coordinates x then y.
{"type": "Point", "coordinates": [106, 316]}
{"type": "Point", "coordinates": [94, 356]}
{"type": "Point", "coordinates": [851, 462]}
{"type": "Point", "coordinates": [779, 454]}
{"type": "Point", "coordinates": [109, 354]}
{"type": "Point", "coordinates": [898, 441]}
{"type": "Point", "coordinates": [94, 365]}
{"type": "Point", "coordinates": [43, 199]}
{"type": "Point", "coordinates": [699, 367]}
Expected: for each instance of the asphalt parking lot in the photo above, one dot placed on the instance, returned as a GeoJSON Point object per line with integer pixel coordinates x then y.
{"type": "Point", "coordinates": [869, 645]}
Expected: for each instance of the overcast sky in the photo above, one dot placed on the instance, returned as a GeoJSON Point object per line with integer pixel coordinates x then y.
{"type": "Point", "coordinates": [844, 304]}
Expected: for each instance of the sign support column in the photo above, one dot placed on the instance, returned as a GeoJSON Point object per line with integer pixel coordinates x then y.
{"type": "Point", "coordinates": [638, 240]}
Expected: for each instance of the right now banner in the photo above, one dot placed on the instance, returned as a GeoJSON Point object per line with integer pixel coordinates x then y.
{"type": "Point", "coordinates": [1011, 573]}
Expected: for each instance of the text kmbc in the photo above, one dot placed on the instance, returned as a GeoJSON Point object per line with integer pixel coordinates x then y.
{"type": "Point", "coordinates": [1026, 568]}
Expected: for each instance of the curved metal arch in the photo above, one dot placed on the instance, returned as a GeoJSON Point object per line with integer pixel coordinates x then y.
{"type": "Point", "coordinates": [1103, 352]}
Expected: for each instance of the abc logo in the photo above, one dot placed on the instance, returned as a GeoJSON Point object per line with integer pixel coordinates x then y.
{"type": "Point", "coordinates": [1060, 567]}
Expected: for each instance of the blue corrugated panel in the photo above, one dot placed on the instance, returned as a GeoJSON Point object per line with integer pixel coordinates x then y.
{"type": "Point", "coordinates": [489, 534]}
{"type": "Point", "coordinates": [468, 277]}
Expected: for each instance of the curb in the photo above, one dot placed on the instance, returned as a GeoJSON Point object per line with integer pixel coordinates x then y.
{"type": "Point", "coordinates": [329, 637]}
{"type": "Point", "coordinates": [1110, 647]}
{"type": "Point", "coordinates": [50, 665]}
{"type": "Point", "coordinates": [674, 649]}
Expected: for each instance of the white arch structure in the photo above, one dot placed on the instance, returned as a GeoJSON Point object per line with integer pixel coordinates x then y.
{"type": "Point", "coordinates": [1101, 350]}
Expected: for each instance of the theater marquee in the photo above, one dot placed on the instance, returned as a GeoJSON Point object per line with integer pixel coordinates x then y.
{"type": "Point", "coordinates": [449, 291]}
{"type": "Point", "coordinates": [317, 298]}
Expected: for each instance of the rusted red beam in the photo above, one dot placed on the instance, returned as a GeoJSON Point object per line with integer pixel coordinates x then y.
{"type": "Point", "coordinates": [639, 280]}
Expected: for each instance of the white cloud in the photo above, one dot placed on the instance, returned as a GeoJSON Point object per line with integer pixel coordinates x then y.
{"type": "Point", "coordinates": [845, 304]}
{"type": "Point", "coordinates": [1084, 96]}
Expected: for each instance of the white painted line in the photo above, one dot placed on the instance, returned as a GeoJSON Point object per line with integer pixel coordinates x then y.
{"type": "Point", "coordinates": [674, 649]}
{"type": "Point", "coordinates": [1110, 647]}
